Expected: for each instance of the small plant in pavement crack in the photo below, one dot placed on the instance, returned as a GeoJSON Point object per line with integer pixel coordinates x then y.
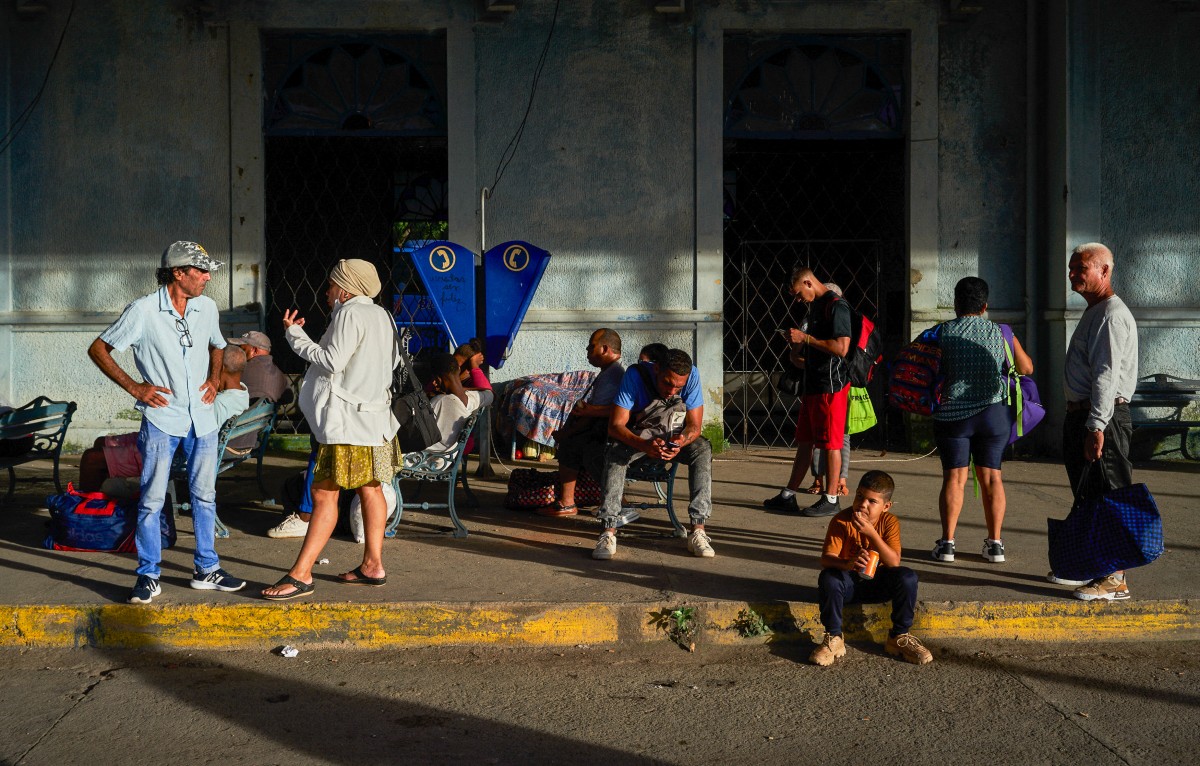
{"type": "Point", "coordinates": [679, 625]}
{"type": "Point", "coordinates": [750, 624]}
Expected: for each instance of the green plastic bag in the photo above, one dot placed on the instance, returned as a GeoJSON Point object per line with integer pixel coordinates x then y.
{"type": "Point", "coordinates": [862, 411]}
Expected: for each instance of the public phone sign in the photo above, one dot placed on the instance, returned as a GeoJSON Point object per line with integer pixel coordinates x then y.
{"type": "Point", "coordinates": [447, 271]}
{"type": "Point", "coordinates": [511, 273]}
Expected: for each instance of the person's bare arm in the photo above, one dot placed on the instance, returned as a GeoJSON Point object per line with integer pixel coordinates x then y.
{"type": "Point", "coordinates": [835, 346]}
{"type": "Point", "coordinates": [146, 393]}
{"type": "Point", "coordinates": [210, 387]}
{"type": "Point", "coordinates": [1021, 360]}
{"type": "Point", "coordinates": [586, 410]}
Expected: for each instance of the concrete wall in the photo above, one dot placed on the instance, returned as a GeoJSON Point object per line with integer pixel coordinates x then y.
{"type": "Point", "coordinates": [150, 130]}
{"type": "Point", "coordinates": [981, 156]}
{"type": "Point", "coordinates": [126, 151]}
{"type": "Point", "coordinates": [1149, 109]}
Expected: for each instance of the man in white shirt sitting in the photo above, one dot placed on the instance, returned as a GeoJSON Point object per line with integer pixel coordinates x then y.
{"type": "Point", "coordinates": [451, 403]}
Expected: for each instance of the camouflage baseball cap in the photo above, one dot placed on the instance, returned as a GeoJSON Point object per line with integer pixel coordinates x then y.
{"type": "Point", "coordinates": [182, 254]}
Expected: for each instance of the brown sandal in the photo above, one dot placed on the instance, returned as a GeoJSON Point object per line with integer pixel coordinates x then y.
{"type": "Point", "coordinates": [558, 509]}
{"type": "Point", "coordinates": [815, 488]}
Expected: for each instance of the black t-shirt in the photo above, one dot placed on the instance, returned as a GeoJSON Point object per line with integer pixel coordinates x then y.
{"type": "Point", "coordinates": [828, 318]}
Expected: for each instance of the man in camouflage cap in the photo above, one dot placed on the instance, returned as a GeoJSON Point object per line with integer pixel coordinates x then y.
{"type": "Point", "coordinates": [178, 348]}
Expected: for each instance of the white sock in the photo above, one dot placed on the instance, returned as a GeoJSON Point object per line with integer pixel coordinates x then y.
{"type": "Point", "coordinates": [786, 493]}
{"type": "Point", "coordinates": [831, 498]}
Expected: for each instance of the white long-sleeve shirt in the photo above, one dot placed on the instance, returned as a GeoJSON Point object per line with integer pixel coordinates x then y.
{"type": "Point", "coordinates": [346, 393]}
{"type": "Point", "coordinates": [1102, 360]}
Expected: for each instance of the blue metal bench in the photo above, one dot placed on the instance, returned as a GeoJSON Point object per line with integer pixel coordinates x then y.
{"type": "Point", "coordinates": [663, 476]}
{"type": "Point", "coordinates": [43, 422]}
{"type": "Point", "coordinates": [1166, 392]}
{"type": "Point", "coordinates": [447, 466]}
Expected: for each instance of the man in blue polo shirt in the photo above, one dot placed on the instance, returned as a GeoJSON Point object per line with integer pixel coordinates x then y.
{"type": "Point", "coordinates": [658, 412]}
{"type": "Point", "coordinates": [178, 348]}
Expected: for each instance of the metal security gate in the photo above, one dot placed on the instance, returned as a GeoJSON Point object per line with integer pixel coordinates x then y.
{"type": "Point", "coordinates": [814, 175]}
{"type": "Point", "coordinates": [356, 165]}
{"type": "Point", "coordinates": [757, 306]}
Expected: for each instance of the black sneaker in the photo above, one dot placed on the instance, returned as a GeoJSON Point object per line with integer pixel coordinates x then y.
{"type": "Point", "coordinates": [822, 507]}
{"type": "Point", "coordinates": [993, 551]}
{"type": "Point", "coordinates": [943, 550]}
{"type": "Point", "coordinates": [144, 590]}
{"type": "Point", "coordinates": [777, 503]}
{"type": "Point", "coordinates": [218, 579]}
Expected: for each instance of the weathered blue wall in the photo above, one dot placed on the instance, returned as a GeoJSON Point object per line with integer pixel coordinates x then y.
{"type": "Point", "coordinates": [981, 153]}
{"type": "Point", "coordinates": [1149, 106]}
{"type": "Point", "coordinates": [603, 175]}
{"type": "Point", "coordinates": [130, 148]}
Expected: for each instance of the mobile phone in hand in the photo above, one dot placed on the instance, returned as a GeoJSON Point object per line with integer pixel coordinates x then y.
{"type": "Point", "coordinates": [673, 445]}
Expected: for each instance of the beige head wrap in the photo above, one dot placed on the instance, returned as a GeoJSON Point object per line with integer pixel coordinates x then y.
{"type": "Point", "coordinates": [356, 276]}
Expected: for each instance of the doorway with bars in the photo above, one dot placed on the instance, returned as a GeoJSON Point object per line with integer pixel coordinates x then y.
{"type": "Point", "coordinates": [814, 174]}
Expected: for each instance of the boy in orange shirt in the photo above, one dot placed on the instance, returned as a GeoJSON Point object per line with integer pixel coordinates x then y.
{"type": "Point", "coordinates": [867, 525]}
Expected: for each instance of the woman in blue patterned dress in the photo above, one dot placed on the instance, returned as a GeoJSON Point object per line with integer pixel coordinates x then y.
{"type": "Point", "coordinates": [973, 419]}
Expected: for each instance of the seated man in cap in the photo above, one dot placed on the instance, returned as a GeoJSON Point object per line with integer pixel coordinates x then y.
{"type": "Point", "coordinates": [262, 378]}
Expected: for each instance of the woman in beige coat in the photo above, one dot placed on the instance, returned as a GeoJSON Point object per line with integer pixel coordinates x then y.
{"type": "Point", "coordinates": [345, 398]}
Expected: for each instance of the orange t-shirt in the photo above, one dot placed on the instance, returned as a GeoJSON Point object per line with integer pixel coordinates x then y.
{"type": "Point", "coordinates": [843, 541]}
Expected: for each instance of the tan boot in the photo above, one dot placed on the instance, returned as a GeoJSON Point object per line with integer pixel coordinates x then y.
{"type": "Point", "coordinates": [907, 646]}
{"type": "Point", "coordinates": [832, 648]}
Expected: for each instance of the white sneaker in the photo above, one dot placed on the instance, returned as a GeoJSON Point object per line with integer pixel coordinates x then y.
{"type": "Point", "coordinates": [1051, 577]}
{"type": "Point", "coordinates": [292, 526]}
{"type": "Point", "coordinates": [699, 544]}
{"type": "Point", "coordinates": [606, 546]}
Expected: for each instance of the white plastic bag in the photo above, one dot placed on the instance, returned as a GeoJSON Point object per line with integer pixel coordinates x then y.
{"type": "Point", "coordinates": [356, 519]}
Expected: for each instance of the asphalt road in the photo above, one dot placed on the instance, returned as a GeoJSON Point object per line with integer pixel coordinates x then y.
{"type": "Point", "coordinates": [1010, 703]}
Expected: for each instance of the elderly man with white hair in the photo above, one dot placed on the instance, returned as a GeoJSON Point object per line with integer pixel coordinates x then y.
{"type": "Point", "coordinates": [1101, 374]}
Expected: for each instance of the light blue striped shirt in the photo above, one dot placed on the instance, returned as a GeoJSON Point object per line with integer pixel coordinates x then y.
{"type": "Point", "coordinates": [153, 328]}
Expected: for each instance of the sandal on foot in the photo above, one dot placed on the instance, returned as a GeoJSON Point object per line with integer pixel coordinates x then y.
{"type": "Point", "coordinates": [558, 509]}
{"type": "Point", "coordinates": [301, 589]}
{"type": "Point", "coordinates": [361, 579]}
{"type": "Point", "coordinates": [842, 488]}
{"type": "Point", "coordinates": [815, 488]}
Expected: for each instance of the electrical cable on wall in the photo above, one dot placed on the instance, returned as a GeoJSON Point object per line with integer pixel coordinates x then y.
{"type": "Point", "coordinates": [22, 119]}
{"type": "Point", "coordinates": [510, 151]}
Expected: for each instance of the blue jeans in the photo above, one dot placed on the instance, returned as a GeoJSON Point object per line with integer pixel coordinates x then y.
{"type": "Point", "coordinates": [158, 449]}
{"type": "Point", "coordinates": [837, 587]}
{"type": "Point", "coordinates": [697, 456]}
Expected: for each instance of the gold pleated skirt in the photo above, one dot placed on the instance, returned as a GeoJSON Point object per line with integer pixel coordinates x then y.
{"type": "Point", "coordinates": [351, 466]}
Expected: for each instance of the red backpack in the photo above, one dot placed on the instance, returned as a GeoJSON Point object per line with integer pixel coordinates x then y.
{"type": "Point", "coordinates": [866, 347]}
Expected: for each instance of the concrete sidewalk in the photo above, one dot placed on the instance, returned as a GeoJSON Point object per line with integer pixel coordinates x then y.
{"type": "Point", "coordinates": [521, 579]}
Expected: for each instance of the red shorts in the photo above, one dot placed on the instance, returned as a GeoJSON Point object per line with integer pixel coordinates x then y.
{"type": "Point", "coordinates": [822, 419]}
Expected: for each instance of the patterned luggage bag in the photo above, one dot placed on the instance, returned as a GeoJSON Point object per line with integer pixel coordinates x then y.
{"type": "Point", "coordinates": [916, 381]}
{"type": "Point", "coordinates": [529, 488]}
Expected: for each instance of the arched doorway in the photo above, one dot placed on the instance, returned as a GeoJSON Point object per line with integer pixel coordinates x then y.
{"type": "Point", "coordinates": [814, 173]}
{"type": "Point", "coordinates": [355, 141]}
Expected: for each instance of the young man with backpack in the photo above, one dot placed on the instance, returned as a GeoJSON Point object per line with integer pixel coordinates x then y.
{"type": "Point", "coordinates": [821, 421]}
{"type": "Point", "coordinates": [658, 413]}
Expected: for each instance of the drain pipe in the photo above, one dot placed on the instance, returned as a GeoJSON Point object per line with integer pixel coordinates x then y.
{"type": "Point", "coordinates": [485, 469]}
{"type": "Point", "coordinates": [1032, 178]}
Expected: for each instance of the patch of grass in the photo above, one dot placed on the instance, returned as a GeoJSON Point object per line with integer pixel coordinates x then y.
{"type": "Point", "coordinates": [750, 624]}
{"type": "Point", "coordinates": [128, 415]}
{"type": "Point", "coordinates": [715, 433]}
{"type": "Point", "coordinates": [679, 625]}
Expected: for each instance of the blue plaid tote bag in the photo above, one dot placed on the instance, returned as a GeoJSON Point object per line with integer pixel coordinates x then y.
{"type": "Point", "coordinates": [1118, 529]}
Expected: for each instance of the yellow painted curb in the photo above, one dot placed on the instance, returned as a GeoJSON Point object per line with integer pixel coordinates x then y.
{"type": "Point", "coordinates": [367, 625]}
{"type": "Point", "coordinates": [1066, 620]}
{"type": "Point", "coordinates": [204, 626]}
